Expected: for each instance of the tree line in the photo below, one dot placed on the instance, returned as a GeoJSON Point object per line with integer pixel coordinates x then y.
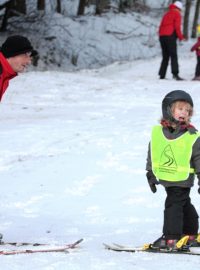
{"type": "Point", "coordinates": [17, 7]}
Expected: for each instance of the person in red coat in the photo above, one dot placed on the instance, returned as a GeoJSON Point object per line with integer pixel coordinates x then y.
{"type": "Point", "coordinates": [169, 31]}
{"type": "Point", "coordinates": [15, 55]}
{"type": "Point", "coordinates": [196, 48]}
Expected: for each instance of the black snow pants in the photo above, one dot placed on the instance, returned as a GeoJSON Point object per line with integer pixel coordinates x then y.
{"type": "Point", "coordinates": [180, 216]}
{"type": "Point", "coordinates": [169, 51]}
{"type": "Point", "coordinates": [197, 70]}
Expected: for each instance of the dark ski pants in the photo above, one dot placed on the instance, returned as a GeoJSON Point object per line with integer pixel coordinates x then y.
{"type": "Point", "coordinates": [197, 70]}
{"type": "Point", "coordinates": [180, 216]}
{"type": "Point", "coordinates": [169, 51]}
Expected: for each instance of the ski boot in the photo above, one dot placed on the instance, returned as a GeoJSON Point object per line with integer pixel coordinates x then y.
{"type": "Point", "coordinates": [171, 244]}
{"type": "Point", "coordinates": [194, 240]}
{"type": "Point", "coordinates": [160, 243]}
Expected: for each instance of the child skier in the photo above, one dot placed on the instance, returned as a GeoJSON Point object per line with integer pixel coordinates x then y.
{"type": "Point", "coordinates": [196, 47]}
{"type": "Point", "coordinates": [173, 160]}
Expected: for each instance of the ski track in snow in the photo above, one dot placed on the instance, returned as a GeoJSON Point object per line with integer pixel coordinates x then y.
{"type": "Point", "coordinates": [73, 152]}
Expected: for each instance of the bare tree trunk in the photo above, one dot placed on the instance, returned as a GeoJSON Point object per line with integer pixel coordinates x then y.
{"type": "Point", "coordinates": [196, 16]}
{"type": "Point", "coordinates": [41, 4]}
{"type": "Point", "coordinates": [21, 6]}
{"type": "Point", "coordinates": [58, 8]}
{"type": "Point", "coordinates": [121, 6]}
{"type": "Point", "coordinates": [101, 5]}
{"type": "Point", "coordinates": [10, 8]}
{"type": "Point", "coordinates": [4, 23]}
{"type": "Point", "coordinates": [186, 17]}
{"type": "Point", "coordinates": [98, 8]}
{"type": "Point", "coordinates": [81, 7]}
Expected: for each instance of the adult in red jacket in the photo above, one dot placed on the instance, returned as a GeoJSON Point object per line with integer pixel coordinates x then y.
{"type": "Point", "coordinates": [169, 31]}
{"type": "Point", "coordinates": [15, 55]}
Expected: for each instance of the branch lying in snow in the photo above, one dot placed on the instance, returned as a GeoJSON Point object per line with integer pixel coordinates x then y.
{"type": "Point", "coordinates": [115, 32]}
{"type": "Point", "coordinates": [128, 35]}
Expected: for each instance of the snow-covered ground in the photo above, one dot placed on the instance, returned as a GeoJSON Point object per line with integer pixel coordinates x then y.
{"type": "Point", "coordinates": [72, 164]}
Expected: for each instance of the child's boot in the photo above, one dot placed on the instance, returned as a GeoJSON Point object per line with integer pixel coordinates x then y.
{"type": "Point", "coordinates": [159, 243]}
{"type": "Point", "coordinates": [194, 240]}
{"type": "Point", "coordinates": [178, 244]}
{"type": "Point", "coordinates": [171, 244]}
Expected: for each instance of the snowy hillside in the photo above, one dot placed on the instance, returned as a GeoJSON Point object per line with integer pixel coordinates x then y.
{"type": "Point", "coordinates": [68, 42]}
{"type": "Point", "coordinates": [73, 152]}
{"type": "Point", "coordinates": [94, 41]}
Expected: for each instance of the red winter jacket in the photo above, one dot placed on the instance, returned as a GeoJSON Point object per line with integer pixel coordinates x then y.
{"type": "Point", "coordinates": [171, 22]}
{"type": "Point", "coordinates": [196, 47]}
{"type": "Point", "coordinates": [6, 74]}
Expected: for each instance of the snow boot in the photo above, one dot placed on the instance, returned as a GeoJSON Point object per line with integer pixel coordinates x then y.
{"type": "Point", "coordinates": [196, 78]}
{"type": "Point", "coordinates": [176, 77]}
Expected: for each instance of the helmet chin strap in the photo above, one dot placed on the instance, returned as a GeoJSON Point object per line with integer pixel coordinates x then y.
{"type": "Point", "coordinates": [171, 118]}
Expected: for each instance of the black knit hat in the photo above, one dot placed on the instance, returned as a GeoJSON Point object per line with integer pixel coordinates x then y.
{"type": "Point", "coordinates": [15, 45]}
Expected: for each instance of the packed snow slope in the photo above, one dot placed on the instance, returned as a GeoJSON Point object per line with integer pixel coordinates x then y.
{"type": "Point", "coordinates": [72, 165]}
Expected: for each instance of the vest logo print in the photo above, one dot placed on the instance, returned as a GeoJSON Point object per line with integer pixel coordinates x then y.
{"type": "Point", "coordinates": [171, 158]}
{"type": "Point", "coordinates": [167, 161]}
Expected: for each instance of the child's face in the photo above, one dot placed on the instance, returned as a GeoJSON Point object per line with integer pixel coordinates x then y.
{"type": "Point", "coordinates": [181, 111]}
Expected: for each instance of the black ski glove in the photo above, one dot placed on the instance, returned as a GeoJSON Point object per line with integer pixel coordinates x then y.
{"type": "Point", "coordinates": [199, 190]}
{"type": "Point", "coordinates": [152, 181]}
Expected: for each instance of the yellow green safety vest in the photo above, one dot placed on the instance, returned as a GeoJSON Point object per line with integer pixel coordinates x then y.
{"type": "Point", "coordinates": [171, 158]}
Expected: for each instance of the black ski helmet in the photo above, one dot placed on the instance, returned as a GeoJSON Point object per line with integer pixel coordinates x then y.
{"type": "Point", "coordinates": [170, 98]}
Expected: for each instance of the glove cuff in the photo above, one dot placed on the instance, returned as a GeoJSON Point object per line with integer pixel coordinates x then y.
{"type": "Point", "coordinates": [151, 178]}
